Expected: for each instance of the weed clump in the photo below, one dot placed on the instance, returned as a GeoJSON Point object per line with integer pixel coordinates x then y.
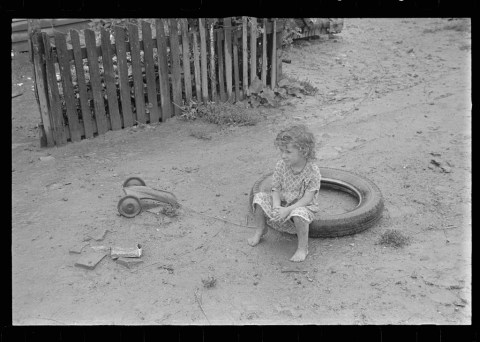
{"type": "Point", "coordinates": [170, 210]}
{"type": "Point", "coordinates": [209, 282]}
{"type": "Point", "coordinates": [394, 238]}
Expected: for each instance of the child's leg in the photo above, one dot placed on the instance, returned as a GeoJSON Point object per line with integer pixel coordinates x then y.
{"type": "Point", "coordinates": [261, 226]}
{"type": "Point", "coordinates": [302, 235]}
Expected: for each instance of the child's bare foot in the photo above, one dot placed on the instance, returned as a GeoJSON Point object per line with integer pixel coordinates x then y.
{"type": "Point", "coordinates": [254, 240]}
{"type": "Point", "coordinates": [299, 255]}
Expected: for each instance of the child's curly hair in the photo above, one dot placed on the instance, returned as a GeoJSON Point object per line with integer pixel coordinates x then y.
{"type": "Point", "coordinates": [300, 137]}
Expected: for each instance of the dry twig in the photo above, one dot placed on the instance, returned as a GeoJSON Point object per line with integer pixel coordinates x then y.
{"type": "Point", "coordinates": [200, 305]}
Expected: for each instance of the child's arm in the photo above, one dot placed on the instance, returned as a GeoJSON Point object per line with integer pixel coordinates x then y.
{"type": "Point", "coordinates": [275, 198]}
{"type": "Point", "coordinates": [304, 201]}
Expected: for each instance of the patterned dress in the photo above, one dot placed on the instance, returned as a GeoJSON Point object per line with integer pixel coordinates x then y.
{"type": "Point", "coordinates": [291, 187]}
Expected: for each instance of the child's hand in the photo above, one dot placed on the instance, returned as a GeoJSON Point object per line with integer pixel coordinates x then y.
{"type": "Point", "coordinates": [281, 213]}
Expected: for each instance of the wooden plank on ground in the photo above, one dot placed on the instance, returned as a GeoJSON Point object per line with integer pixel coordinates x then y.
{"type": "Point", "coordinates": [138, 84]}
{"type": "Point", "coordinates": [203, 55]}
{"type": "Point", "coordinates": [264, 53]}
{"type": "Point", "coordinates": [42, 78]}
{"type": "Point", "coordinates": [253, 49]}
{"type": "Point", "coordinates": [165, 101]}
{"type": "Point", "coordinates": [245, 56]}
{"type": "Point", "coordinates": [56, 112]}
{"type": "Point", "coordinates": [122, 68]}
{"type": "Point", "coordinates": [274, 55]}
{"type": "Point", "coordinates": [221, 80]}
{"type": "Point", "coordinates": [187, 77]}
{"type": "Point", "coordinates": [95, 81]}
{"type": "Point", "coordinates": [82, 86]}
{"type": "Point", "coordinates": [227, 25]}
{"type": "Point", "coordinates": [235, 67]}
{"type": "Point", "coordinates": [176, 71]}
{"type": "Point", "coordinates": [213, 78]}
{"type": "Point", "coordinates": [152, 104]}
{"type": "Point", "coordinates": [68, 93]}
{"type": "Point", "coordinates": [109, 80]}
{"type": "Point", "coordinates": [196, 65]}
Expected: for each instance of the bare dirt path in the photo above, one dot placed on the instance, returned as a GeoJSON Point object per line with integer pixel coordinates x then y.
{"type": "Point", "coordinates": [393, 95]}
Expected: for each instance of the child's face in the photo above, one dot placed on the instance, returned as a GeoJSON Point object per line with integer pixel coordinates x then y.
{"type": "Point", "coordinates": [291, 155]}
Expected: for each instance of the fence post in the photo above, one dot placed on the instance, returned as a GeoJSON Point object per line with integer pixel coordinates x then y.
{"type": "Point", "coordinates": [253, 49]}
{"type": "Point", "coordinates": [41, 87]}
{"type": "Point", "coordinates": [274, 55]}
{"type": "Point", "coordinates": [203, 56]}
{"type": "Point", "coordinates": [245, 56]}
{"type": "Point", "coordinates": [33, 26]}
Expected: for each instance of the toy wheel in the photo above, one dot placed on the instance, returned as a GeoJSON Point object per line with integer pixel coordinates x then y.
{"type": "Point", "coordinates": [129, 206]}
{"type": "Point", "coordinates": [133, 181]}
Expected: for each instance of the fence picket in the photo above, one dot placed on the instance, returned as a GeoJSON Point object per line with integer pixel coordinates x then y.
{"type": "Point", "coordinates": [264, 53]}
{"type": "Point", "coordinates": [138, 84]}
{"type": "Point", "coordinates": [176, 71]}
{"type": "Point", "coordinates": [196, 65]}
{"type": "Point", "coordinates": [227, 25]}
{"type": "Point", "coordinates": [56, 114]}
{"type": "Point", "coordinates": [150, 72]}
{"type": "Point", "coordinates": [221, 80]}
{"type": "Point", "coordinates": [274, 56]}
{"type": "Point", "coordinates": [68, 94]}
{"type": "Point", "coordinates": [253, 49]}
{"type": "Point", "coordinates": [95, 81]}
{"type": "Point", "coordinates": [203, 55]}
{"type": "Point", "coordinates": [82, 86]}
{"type": "Point", "coordinates": [41, 87]}
{"type": "Point", "coordinates": [109, 80]}
{"type": "Point", "coordinates": [279, 53]}
{"type": "Point", "coordinates": [245, 56]}
{"type": "Point", "coordinates": [165, 100]}
{"type": "Point", "coordinates": [122, 68]}
{"type": "Point", "coordinates": [235, 66]}
{"type": "Point", "coordinates": [213, 79]}
{"type": "Point", "coordinates": [186, 60]}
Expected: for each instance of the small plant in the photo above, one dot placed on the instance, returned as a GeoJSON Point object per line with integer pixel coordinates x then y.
{"type": "Point", "coordinates": [209, 282]}
{"type": "Point", "coordinates": [393, 238]}
{"type": "Point", "coordinates": [308, 88]}
{"type": "Point", "coordinates": [290, 32]}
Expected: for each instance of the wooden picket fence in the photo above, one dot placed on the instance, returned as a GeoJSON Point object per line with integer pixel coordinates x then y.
{"type": "Point", "coordinates": [147, 80]}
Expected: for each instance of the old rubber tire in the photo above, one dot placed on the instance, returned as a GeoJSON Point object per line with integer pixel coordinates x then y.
{"type": "Point", "coordinates": [129, 206]}
{"type": "Point", "coordinates": [366, 213]}
{"type": "Point", "coordinates": [134, 181]}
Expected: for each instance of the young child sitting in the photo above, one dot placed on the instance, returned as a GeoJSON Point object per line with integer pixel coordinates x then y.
{"type": "Point", "coordinates": [292, 203]}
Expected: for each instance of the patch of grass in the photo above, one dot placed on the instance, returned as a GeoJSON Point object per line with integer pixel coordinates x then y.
{"type": "Point", "coordinates": [221, 113]}
{"type": "Point", "coordinates": [209, 282]}
{"type": "Point", "coordinates": [200, 134]}
{"type": "Point", "coordinates": [456, 25]}
{"type": "Point", "coordinates": [394, 238]}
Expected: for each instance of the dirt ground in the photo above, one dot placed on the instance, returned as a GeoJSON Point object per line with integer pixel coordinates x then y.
{"type": "Point", "coordinates": [393, 95]}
